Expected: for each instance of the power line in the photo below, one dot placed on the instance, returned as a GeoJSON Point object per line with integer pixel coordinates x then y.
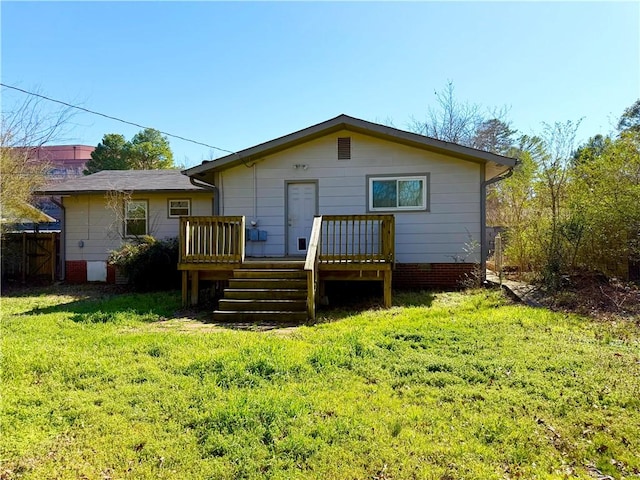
{"type": "Point", "coordinates": [112, 118]}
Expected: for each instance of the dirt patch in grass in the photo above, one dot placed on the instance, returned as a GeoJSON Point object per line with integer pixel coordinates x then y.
{"type": "Point", "coordinates": [200, 322]}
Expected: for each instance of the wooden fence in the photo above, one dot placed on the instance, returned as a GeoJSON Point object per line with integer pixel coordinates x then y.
{"type": "Point", "coordinates": [28, 257]}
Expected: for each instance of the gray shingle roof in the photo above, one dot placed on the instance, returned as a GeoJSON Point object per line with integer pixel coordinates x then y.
{"type": "Point", "coordinates": [123, 180]}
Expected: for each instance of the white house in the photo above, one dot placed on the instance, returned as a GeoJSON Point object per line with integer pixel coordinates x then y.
{"type": "Point", "coordinates": [102, 210]}
{"type": "Point", "coordinates": [346, 166]}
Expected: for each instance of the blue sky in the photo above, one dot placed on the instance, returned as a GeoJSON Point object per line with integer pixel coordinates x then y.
{"type": "Point", "coordinates": [237, 74]}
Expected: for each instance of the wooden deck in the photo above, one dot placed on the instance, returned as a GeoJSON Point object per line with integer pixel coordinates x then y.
{"type": "Point", "coordinates": [341, 247]}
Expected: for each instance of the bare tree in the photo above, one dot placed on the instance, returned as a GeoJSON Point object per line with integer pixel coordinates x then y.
{"type": "Point", "coordinates": [494, 135]}
{"type": "Point", "coordinates": [451, 121]}
{"type": "Point", "coordinates": [116, 201]}
{"type": "Point", "coordinates": [554, 162]}
{"type": "Point", "coordinates": [559, 147]}
{"type": "Point", "coordinates": [630, 119]}
{"type": "Point", "coordinates": [24, 129]}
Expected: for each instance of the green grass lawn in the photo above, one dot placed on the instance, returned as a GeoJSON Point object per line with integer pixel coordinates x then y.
{"type": "Point", "coordinates": [441, 386]}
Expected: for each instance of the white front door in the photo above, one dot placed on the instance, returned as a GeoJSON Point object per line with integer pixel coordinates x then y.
{"type": "Point", "coordinates": [301, 208]}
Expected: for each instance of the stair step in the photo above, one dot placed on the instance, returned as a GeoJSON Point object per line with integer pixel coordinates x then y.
{"type": "Point", "coordinates": [264, 293]}
{"type": "Point", "coordinates": [262, 305]}
{"type": "Point", "coordinates": [273, 264]}
{"type": "Point", "coordinates": [263, 316]}
{"type": "Point", "coordinates": [267, 283]}
{"type": "Point", "coordinates": [269, 273]}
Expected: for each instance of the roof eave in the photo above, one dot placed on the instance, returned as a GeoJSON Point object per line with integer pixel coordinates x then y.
{"type": "Point", "coordinates": [344, 122]}
{"type": "Point", "coordinates": [63, 193]}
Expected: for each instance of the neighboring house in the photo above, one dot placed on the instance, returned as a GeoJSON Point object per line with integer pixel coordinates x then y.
{"type": "Point", "coordinates": [346, 166]}
{"type": "Point", "coordinates": [63, 163]}
{"type": "Point", "coordinates": [27, 214]}
{"type": "Point", "coordinates": [29, 249]}
{"type": "Point", "coordinates": [102, 210]}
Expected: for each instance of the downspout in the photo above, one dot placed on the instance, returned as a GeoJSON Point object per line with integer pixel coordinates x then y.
{"type": "Point", "coordinates": [483, 215]}
{"type": "Point", "coordinates": [255, 195]}
{"type": "Point", "coordinates": [63, 237]}
{"type": "Point", "coordinates": [216, 194]}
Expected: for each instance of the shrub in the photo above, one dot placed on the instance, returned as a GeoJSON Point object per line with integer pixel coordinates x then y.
{"type": "Point", "coordinates": [149, 264]}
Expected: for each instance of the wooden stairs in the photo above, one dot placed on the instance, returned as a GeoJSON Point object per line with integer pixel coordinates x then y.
{"type": "Point", "coordinates": [265, 292]}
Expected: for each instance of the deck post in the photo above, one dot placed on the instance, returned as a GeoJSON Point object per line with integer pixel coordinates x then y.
{"type": "Point", "coordinates": [194, 287]}
{"type": "Point", "coordinates": [54, 253]}
{"type": "Point", "coordinates": [311, 267]}
{"type": "Point", "coordinates": [387, 289]}
{"type": "Point", "coordinates": [185, 291]}
{"type": "Point", "coordinates": [311, 296]}
{"type": "Point", "coordinates": [24, 257]}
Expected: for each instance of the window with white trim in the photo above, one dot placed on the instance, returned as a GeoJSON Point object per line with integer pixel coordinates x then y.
{"type": "Point", "coordinates": [135, 218]}
{"type": "Point", "coordinates": [179, 208]}
{"type": "Point", "coordinates": [398, 193]}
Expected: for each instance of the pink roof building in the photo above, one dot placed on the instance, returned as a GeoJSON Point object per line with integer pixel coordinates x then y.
{"type": "Point", "coordinates": [67, 161]}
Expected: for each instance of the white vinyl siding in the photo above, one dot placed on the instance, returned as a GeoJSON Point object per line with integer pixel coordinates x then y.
{"type": "Point", "coordinates": [88, 219]}
{"type": "Point", "coordinates": [436, 235]}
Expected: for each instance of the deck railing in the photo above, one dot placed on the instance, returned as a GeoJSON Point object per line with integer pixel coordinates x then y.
{"type": "Point", "coordinates": [357, 239]}
{"type": "Point", "coordinates": [212, 239]}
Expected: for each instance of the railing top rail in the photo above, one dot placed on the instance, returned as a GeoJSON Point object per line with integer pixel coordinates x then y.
{"type": "Point", "coordinates": [367, 216]}
{"type": "Point", "coordinates": [211, 218]}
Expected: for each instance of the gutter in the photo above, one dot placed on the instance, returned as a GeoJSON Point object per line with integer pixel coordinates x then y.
{"type": "Point", "coordinates": [215, 208]}
{"type": "Point", "coordinates": [483, 215]}
{"type": "Point", "coordinates": [63, 237]}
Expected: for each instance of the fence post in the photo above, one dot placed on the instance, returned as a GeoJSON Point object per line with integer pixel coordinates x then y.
{"type": "Point", "coordinates": [497, 254]}
{"type": "Point", "coordinates": [25, 263]}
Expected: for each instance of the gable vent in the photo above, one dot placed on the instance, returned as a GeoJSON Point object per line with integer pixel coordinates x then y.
{"type": "Point", "coordinates": [344, 148]}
